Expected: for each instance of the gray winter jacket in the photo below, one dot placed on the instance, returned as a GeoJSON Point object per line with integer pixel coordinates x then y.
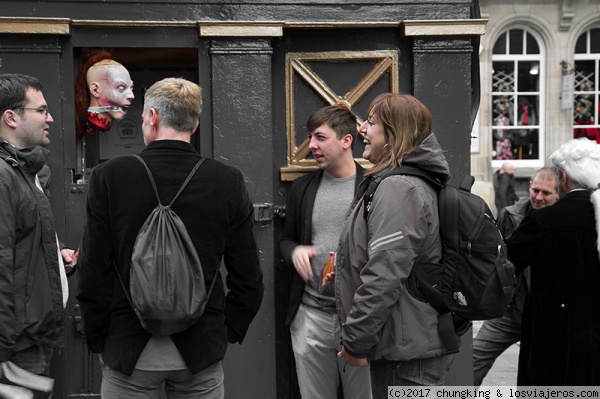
{"type": "Point", "coordinates": [379, 319]}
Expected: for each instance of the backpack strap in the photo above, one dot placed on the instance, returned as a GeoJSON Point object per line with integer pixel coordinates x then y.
{"type": "Point", "coordinates": [400, 170]}
{"type": "Point", "coordinates": [414, 171]}
{"type": "Point", "coordinates": [185, 183]}
{"type": "Point", "coordinates": [448, 201]}
{"type": "Point", "coordinates": [212, 285]}
{"type": "Point", "coordinates": [187, 180]}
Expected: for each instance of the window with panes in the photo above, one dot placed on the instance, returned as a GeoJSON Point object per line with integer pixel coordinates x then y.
{"type": "Point", "coordinates": [517, 98]}
{"type": "Point", "coordinates": [585, 108]}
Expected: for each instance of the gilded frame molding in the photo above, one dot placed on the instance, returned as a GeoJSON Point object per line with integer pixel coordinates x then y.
{"type": "Point", "coordinates": [296, 65]}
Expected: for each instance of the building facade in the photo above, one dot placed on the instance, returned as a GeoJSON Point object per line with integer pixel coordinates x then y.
{"type": "Point", "coordinates": [539, 84]}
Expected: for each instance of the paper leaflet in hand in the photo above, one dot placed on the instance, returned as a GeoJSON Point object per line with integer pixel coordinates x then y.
{"type": "Point", "coordinates": [328, 268]}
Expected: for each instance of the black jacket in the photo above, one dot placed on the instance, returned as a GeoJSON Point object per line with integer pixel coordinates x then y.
{"type": "Point", "coordinates": [217, 212]}
{"type": "Point", "coordinates": [31, 304]}
{"type": "Point", "coordinates": [560, 342]}
{"type": "Point", "coordinates": [298, 230]}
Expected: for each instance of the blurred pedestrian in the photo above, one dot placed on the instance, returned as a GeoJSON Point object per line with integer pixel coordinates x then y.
{"type": "Point", "coordinates": [504, 186]}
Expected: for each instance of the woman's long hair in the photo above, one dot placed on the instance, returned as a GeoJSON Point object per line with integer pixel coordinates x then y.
{"type": "Point", "coordinates": [82, 92]}
{"type": "Point", "coordinates": [406, 122]}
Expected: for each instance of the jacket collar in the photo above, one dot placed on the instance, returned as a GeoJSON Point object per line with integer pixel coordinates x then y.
{"type": "Point", "coordinates": [577, 194]}
{"type": "Point", "coordinates": [170, 144]}
{"type": "Point", "coordinates": [30, 160]}
{"type": "Point", "coordinates": [522, 207]}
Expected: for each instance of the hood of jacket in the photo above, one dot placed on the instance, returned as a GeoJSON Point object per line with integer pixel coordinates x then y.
{"type": "Point", "coordinates": [429, 156]}
{"type": "Point", "coordinates": [30, 160]}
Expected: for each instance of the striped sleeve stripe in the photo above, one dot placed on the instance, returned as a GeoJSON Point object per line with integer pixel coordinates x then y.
{"type": "Point", "coordinates": [397, 236]}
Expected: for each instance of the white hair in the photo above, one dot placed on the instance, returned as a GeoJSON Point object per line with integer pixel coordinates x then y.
{"type": "Point", "coordinates": [580, 160]}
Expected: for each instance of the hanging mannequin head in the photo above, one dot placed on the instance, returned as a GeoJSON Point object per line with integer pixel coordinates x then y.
{"type": "Point", "coordinates": [111, 89]}
{"type": "Point", "coordinates": [104, 92]}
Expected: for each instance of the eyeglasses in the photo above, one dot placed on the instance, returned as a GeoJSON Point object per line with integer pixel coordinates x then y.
{"type": "Point", "coordinates": [41, 110]}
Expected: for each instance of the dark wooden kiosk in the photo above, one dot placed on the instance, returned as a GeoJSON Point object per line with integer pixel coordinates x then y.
{"type": "Point", "coordinates": [263, 66]}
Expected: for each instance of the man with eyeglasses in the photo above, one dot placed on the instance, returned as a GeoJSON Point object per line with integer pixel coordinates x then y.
{"type": "Point", "coordinates": [33, 281]}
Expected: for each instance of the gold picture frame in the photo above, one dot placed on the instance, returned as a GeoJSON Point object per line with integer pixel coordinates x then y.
{"type": "Point", "coordinates": [296, 64]}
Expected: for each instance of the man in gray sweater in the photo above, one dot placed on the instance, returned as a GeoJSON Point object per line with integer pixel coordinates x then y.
{"type": "Point", "coordinates": [316, 209]}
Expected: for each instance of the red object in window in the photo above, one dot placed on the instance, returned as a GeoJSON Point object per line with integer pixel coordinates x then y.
{"type": "Point", "coordinates": [592, 133]}
{"type": "Point", "coordinates": [525, 115]}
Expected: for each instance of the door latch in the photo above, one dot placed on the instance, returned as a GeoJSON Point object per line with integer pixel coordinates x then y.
{"type": "Point", "coordinates": [266, 211]}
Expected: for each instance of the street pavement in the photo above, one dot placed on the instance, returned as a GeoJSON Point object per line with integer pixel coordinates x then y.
{"type": "Point", "coordinates": [504, 371]}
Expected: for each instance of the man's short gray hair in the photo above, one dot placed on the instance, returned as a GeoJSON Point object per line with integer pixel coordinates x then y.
{"type": "Point", "coordinates": [177, 101]}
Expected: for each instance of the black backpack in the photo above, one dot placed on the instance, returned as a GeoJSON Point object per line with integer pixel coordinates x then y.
{"type": "Point", "coordinates": [474, 279]}
{"type": "Point", "coordinates": [168, 292]}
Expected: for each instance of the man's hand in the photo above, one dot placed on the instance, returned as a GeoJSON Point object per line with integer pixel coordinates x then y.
{"type": "Point", "coordinates": [101, 358]}
{"type": "Point", "coordinates": [301, 259]}
{"type": "Point", "coordinates": [69, 259]}
{"type": "Point", "coordinates": [351, 360]}
{"type": "Point", "coordinates": [330, 277]}
{"type": "Point", "coordinates": [69, 256]}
